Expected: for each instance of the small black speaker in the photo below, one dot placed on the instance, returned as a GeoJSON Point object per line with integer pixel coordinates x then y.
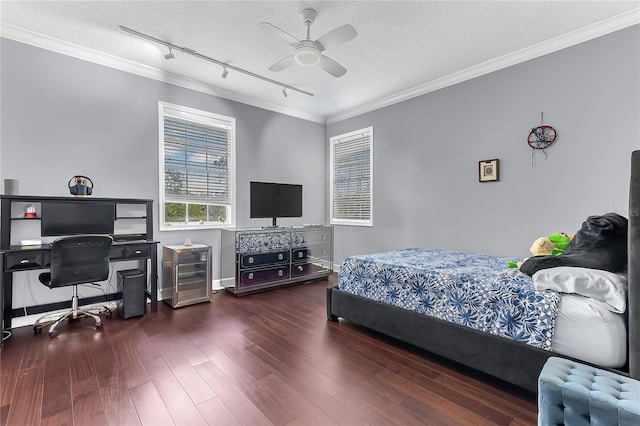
{"type": "Point", "coordinates": [131, 283]}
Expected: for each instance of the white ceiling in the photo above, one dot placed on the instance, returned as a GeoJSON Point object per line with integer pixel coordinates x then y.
{"type": "Point", "coordinates": [403, 48]}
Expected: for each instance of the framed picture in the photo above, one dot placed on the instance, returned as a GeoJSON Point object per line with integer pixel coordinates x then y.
{"type": "Point", "coordinates": [488, 170]}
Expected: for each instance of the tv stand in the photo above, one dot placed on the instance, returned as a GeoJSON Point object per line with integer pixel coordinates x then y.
{"type": "Point", "coordinates": [273, 225]}
{"type": "Point", "coordinates": [260, 259]}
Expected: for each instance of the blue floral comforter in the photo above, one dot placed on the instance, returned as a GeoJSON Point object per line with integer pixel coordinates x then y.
{"type": "Point", "coordinates": [473, 290]}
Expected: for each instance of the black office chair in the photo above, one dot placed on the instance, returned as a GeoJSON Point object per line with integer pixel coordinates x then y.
{"type": "Point", "coordinates": [76, 260]}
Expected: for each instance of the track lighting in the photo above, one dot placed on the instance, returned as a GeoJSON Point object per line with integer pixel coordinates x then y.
{"type": "Point", "coordinates": [225, 67]}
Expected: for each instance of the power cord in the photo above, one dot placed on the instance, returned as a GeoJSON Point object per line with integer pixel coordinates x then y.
{"type": "Point", "coordinates": [98, 309]}
{"type": "Point", "coordinates": [29, 288]}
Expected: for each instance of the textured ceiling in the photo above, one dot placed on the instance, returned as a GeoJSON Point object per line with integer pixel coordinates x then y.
{"type": "Point", "coordinates": [402, 46]}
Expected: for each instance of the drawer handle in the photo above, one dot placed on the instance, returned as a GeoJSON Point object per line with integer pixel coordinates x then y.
{"type": "Point", "coordinates": [251, 260]}
{"type": "Point", "coordinates": [300, 268]}
{"type": "Point", "coordinates": [280, 256]}
{"type": "Point", "coordinates": [138, 251]}
{"type": "Point", "coordinates": [24, 261]}
{"type": "Point", "coordinates": [251, 275]}
{"type": "Point", "coordinates": [324, 237]}
{"type": "Point", "coordinates": [280, 273]}
{"type": "Point", "coordinates": [300, 254]}
{"type": "Point", "coordinates": [323, 251]}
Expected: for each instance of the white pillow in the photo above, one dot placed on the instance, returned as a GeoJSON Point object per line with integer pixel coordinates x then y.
{"type": "Point", "coordinates": [601, 285]}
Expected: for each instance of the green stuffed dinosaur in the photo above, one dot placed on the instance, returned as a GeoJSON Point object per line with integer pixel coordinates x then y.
{"type": "Point", "coordinates": [553, 245]}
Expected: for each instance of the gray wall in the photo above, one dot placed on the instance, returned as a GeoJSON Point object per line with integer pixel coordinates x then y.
{"type": "Point", "coordinates": [63, 116]}
{"type": "Point", "coordinates": [426, 153]}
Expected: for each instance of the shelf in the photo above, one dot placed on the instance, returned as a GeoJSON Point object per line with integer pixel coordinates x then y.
{"type": "Point", "coordinates": [135, 214]}
{"type": "Point", "coordinates": [200, 283]}
{"type": "Point", "coordinates": [39, 198]}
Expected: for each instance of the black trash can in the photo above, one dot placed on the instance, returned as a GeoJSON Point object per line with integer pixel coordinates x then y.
{"type": "Point", "coordinates": [131, 284]}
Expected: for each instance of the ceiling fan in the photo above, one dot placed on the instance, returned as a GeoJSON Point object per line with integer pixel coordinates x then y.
{"type": "Point", "coordinates": [309, 52]}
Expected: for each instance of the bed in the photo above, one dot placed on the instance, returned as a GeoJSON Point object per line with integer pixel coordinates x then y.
{"type": "Point", "coordinates": [375, 292]}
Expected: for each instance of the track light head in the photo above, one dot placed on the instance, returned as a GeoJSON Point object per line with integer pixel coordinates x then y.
{"type": "Point", "coordinates": [284, 92]}
{"type": "Point", "coordinates": [169, 55]}
{"type": "Point", "coordinates": [225, 72]}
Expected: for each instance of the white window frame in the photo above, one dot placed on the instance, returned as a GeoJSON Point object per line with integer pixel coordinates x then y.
{"type": "Point", "coordinates": [205, 118]}
{"type": "Point", "coordinates": [345, 139]}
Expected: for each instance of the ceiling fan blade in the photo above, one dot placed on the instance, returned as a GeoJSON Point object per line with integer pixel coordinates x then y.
{"type": "Point", "coordinates": [332, 67]}
{"type": "Point", "coordinates": [336, 37]}
{"type": "Point", "coordinates": [278, 32]}
{"type": "Point", "coordinates": [283, 64]}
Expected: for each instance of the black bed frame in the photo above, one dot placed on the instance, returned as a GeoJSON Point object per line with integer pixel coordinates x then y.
{"type": "Point", "coordinates": [514, 362]}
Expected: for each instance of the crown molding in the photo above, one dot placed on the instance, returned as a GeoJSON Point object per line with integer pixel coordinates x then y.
{"type": "Point", "coordinates": [59, 46]}
{"type": "Point", "coordinates": [572, 38]}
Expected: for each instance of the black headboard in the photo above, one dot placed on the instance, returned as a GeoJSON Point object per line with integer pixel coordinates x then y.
{"type": "Point", "coordinates": [634, 267]}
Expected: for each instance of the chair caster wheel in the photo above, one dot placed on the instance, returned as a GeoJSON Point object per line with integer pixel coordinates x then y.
{"type": "Point", "coordinates": [53, 333]}
{"type": "Point", "coordinates": [36, 329]}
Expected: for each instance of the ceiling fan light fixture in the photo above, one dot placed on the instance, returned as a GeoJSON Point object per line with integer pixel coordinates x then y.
{"type": "Point", "coordinates": [307, 56]}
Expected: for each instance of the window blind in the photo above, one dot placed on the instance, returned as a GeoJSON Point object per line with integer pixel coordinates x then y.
{"type": "Point", "coordinates": [351, 177]}
{"type": "Point", "coordinates": [196, 162]}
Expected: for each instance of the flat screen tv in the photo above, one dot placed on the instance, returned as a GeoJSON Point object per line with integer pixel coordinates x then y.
{"type": "Point", "coordinates": [275, 200]}
{"type": "Point", "coordinates": [77, 218]}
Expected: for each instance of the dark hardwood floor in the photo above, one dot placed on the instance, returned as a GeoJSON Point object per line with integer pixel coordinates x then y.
{"type": "Point", "coordinates": [265, 359]}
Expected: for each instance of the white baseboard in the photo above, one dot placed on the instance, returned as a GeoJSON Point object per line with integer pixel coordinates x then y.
{"type": "Point", "coordinates": [217, 285]}
{"type": "Point", "coordinates": [29, 320]}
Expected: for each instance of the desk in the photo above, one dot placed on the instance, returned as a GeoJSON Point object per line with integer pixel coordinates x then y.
{"type": "Point", "coordinates": [16, 258]}
{"type": "Point", "coordinates": [28, 258]}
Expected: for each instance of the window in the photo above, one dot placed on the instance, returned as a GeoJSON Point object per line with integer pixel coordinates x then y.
{"type": "Point", "coordinates": [351, 175]}
{"type": "Point", "coordinates": [196, 168]}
